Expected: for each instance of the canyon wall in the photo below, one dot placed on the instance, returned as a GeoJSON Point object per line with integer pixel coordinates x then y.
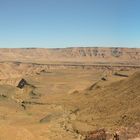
{"type": "Point", "coordinates": [73, 55]}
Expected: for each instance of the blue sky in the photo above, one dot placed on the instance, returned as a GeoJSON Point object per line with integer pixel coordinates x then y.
{"type": "Point", "coordinates": [69, 23]}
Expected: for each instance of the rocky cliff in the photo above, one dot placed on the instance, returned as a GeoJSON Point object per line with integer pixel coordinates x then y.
{"type": "Point", "coordinates": [83, 55]}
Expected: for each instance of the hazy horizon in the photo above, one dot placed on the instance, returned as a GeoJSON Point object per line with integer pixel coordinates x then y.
{"type": "Point", "coordinates": [68, 47]}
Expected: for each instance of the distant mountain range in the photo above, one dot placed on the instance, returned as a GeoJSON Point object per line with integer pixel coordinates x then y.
{"type": "Point", "coordinates": [73, 55]}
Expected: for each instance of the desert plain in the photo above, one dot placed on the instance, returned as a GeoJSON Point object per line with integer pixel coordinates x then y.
{"type": "Point", "coordinates": [70, 93]}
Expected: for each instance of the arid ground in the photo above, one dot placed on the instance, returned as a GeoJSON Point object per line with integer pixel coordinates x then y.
{"type": "Point", "coordinates": [70, 93]}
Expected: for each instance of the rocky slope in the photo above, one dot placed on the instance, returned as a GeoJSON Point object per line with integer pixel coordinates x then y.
{"type": "Point", "coordinates": [115, 106]}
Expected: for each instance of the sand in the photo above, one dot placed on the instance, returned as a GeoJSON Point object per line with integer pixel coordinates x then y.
{"type": "Point", "coordinates": [67, 100]}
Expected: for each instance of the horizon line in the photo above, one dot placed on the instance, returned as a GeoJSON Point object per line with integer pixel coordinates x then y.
{"type": "Point", "coordinates": [69, 47]}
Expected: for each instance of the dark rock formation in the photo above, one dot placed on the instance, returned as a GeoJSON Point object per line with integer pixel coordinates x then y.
{"type": "Point", "coordinates": [22, 83]}
{"type": "Point", "coordinates": [116, 52]}
{"type": "Point", "coordinates": [119, 74]}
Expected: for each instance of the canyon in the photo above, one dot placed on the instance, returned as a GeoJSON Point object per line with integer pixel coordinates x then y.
{"type": "Point", "coordinates": [69, 93]}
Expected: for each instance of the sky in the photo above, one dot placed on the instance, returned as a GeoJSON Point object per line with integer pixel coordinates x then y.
{"type": "Point", "coordinates": [69, 23]}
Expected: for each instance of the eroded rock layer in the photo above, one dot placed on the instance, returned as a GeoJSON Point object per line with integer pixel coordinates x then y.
{"type": "Point", "coordinates": [85, 54]}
